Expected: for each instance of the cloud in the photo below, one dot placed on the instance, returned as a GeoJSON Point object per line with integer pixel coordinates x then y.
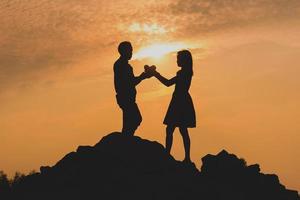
{"type": "Point", "coordinates": [207, 16]}
{"type": "Point", "coordinates": [147, 28]}
{"type": "Point", "coordinates": [43, 36]}
{"type": "Point", "coordinates": [48, 35]}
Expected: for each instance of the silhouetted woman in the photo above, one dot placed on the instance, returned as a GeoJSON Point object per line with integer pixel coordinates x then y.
{"type": "Point", "coordinates": [181, 112]}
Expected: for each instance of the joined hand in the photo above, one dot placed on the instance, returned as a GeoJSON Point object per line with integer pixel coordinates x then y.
{"type": "Point", "coordinates": [149, 70]}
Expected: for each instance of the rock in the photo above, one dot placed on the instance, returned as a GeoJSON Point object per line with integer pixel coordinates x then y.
{"type": "Point", "coordinates": [122, 167]}
{"type": "Point", "coordinates": [254, 168]}
{"type": "Point", "coordinates": [44, 169]}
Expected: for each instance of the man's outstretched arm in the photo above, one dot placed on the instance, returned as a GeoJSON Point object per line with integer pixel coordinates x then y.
{"type": "Point", "coordinates": [141, 77]}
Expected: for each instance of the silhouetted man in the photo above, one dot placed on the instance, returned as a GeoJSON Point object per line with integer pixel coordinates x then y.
{"type": "Point", "coordinates": [125, 83]}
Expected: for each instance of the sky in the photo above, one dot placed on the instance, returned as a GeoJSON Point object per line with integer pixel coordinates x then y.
{"type": "Point", "coordinates": [56, 77]}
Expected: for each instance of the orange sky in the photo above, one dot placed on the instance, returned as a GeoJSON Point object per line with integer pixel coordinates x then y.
{"type": "Point", "coordinates": [56, 86]}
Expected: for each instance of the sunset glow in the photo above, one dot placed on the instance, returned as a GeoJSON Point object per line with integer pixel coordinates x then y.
{"type": "Point", "coordinates": [158, 50]}
{"type": "Point", "coordinates": [147, 28]}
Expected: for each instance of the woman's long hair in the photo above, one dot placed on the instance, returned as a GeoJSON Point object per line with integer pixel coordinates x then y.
{"type": "Point", "coordinates": [187, 61]}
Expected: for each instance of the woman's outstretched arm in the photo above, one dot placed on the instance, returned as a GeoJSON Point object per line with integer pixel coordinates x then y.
{"type": "Point", "coordinates": [165, 81]}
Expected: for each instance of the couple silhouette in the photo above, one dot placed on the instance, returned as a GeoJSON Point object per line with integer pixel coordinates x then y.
{"type": "Point", "coordinates": [180, 113]}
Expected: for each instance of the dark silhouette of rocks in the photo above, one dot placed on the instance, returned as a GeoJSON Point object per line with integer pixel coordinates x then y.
{"type": "Point", "coordinates": [4, 185]}
{"type": "Point", "coordinates": [122, 167]}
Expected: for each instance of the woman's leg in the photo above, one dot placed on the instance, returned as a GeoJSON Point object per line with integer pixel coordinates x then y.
{"type": "Point", "coordinates": [186, 142]}
{"type": "Point", "coordinates": [169, 137]}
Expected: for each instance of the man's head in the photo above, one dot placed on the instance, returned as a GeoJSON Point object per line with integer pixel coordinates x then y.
{"type": "Point", "coordinates": [125, 50]}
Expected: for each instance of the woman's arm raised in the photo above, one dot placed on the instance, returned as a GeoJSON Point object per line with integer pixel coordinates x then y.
{"type": "Point", "coordinates": [165, 81]}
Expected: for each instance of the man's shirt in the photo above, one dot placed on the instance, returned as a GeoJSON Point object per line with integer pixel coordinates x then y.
{"type": "Point", "coordinates": [124, 81]}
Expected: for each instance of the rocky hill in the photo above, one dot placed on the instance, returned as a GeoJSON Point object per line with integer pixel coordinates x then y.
{"type": "Point", "coordinates": [121, 167]}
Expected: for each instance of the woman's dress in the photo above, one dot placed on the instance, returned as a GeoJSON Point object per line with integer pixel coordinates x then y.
{"type": "Point", "coordinates": [181, 112]}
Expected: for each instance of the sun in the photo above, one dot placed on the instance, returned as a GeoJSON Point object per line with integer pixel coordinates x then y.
{"type": "Point", "coordinates": [158, 50]}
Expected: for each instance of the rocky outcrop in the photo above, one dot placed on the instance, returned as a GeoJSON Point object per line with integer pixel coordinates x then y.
{"type": "Point", "coordinates": [121, 167]}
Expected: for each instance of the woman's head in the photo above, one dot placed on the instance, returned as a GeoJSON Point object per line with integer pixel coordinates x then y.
{"type": "Point", "coordinates": [185, 60]}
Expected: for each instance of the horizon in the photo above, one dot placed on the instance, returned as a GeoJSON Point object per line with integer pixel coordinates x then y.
{"type": "Point", "coordinates": [56, 75]}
